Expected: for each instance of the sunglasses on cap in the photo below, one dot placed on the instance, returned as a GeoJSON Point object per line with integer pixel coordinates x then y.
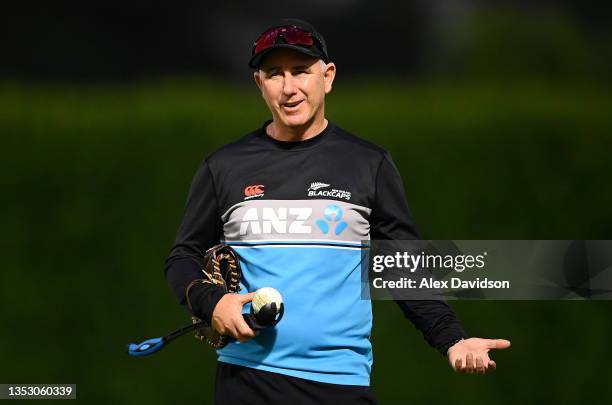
{"type": "Point", "coordinates": [292, 36]}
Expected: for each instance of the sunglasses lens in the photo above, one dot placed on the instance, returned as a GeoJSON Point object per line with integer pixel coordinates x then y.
{"type": "Point", "coordinates": [266, 40]}
{"type": "Point", "coordinates": [291, 35]}
{"type": "Point", "coordinates": [296, 36]}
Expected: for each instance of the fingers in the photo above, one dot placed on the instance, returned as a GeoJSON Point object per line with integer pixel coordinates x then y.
{"type": "Point", "coordinates": [498, 344]}
{"type": "Point", "coordinates": [227, 317]}
{"type": "Point", "coordinates": [480, 367]}
{"type": "Point", "coordinates": [459, 365]}
{"type": "Point", "coordinates": [244, 298]}
{"type": "Point", "coordinates": [239, 330]}
{"type": "Point", "coordinates": [243, 332]}
{"type": "Point", "coordinates": [469, 363]}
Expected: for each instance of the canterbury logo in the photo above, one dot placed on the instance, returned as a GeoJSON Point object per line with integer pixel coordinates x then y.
{"type": "Point", "coordinates": [254, 191]}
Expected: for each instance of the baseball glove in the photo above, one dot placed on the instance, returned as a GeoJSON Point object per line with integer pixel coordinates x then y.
{"type": "Point", "coordinates": [221, 268]}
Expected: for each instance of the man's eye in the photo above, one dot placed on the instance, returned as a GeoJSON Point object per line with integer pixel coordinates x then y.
{"type": "Point", "coordinates": [274, 74]}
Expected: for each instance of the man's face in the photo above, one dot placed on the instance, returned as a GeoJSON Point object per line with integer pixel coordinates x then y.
{"type": "Point", "coordinates": [294, 86]}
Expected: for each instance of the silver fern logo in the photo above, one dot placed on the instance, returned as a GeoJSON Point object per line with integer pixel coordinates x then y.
{"type": "Point", "coordinates": [317, 185]}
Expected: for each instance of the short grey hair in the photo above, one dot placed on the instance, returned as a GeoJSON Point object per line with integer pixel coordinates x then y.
{"type": "Point", "coordinates": [321, 61]}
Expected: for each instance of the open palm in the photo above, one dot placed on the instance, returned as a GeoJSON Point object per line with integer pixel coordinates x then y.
{"type": "Point", "coordinates": [472, 355]}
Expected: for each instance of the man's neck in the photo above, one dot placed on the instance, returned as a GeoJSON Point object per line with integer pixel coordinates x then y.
{"type": "Point", "coordinates": [295, 134]}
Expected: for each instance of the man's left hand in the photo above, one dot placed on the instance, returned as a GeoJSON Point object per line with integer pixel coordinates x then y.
{"type": "Point", "coordinates": [472, 355]}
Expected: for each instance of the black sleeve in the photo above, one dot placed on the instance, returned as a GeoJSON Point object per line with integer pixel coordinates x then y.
{"type": "Point", "coordinates": [200, 229]}
{"type": "Point", "coordinates": [391, 220]}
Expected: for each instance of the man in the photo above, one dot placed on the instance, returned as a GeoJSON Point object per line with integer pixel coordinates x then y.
{"type": "Point", "coordinates": [295, 198]}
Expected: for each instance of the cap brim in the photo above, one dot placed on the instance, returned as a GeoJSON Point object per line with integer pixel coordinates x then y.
{"type": "Point", "coordinates": [256, 59]}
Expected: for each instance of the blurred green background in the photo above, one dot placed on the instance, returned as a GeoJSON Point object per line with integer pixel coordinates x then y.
{"type": "Point", "coordinates": [510, 142]}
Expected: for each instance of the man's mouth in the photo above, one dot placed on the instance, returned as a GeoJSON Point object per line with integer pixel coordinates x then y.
{"type": "Point", "coordinates": [291, 106]}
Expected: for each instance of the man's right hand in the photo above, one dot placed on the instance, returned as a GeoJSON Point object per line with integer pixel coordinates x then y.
{"type": "Point", "coordinates": [227, 317]}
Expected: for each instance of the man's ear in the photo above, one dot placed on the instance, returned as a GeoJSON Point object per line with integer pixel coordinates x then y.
{"type": "Point", "coordinates": [257, 78]}
{"type": "Point", "coordinates": [328, 76]}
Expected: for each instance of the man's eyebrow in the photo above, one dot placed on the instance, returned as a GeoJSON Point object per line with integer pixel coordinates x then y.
{"type": "Point", "coordinates": [298, 67]}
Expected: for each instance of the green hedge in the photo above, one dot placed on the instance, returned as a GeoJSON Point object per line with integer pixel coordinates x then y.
{"type": "Point", "coordinates": [95, 178]}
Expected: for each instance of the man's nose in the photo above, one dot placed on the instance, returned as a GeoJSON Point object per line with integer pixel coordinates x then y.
{"type": "Point", "coordinates": [289, 84]}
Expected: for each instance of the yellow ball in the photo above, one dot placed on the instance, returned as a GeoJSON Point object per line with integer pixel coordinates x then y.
{"type": "Point", "coordinates": [264, 296]}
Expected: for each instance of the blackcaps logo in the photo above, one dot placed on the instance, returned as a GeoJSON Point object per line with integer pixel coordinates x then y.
{"type": "Point", "coordinates": [333, 215]}
{"type": "Point", "coordinates": [315, 191]}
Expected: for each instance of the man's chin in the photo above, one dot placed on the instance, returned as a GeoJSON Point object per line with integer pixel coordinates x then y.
{"type": "Point", "coordinates": [295, 122]}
